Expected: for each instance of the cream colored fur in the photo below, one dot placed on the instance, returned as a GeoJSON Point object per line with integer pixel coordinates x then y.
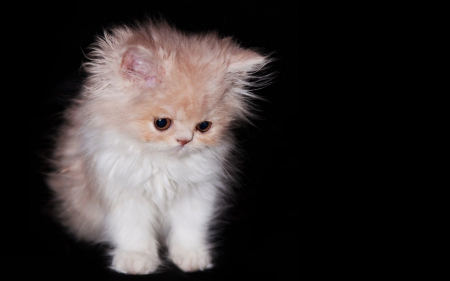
{"type": "Point", "coordinates": [120, 180]}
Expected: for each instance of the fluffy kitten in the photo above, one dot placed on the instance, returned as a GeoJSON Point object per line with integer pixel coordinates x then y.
{"type": "Point", "coordinates": [144, 155]}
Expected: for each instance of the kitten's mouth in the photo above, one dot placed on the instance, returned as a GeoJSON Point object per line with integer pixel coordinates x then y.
{"type": "Point", "coordinates": [181, 150]}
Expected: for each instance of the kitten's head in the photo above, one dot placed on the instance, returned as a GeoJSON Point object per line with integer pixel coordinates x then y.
{"type": "Point", "coordinates": [173, 91]}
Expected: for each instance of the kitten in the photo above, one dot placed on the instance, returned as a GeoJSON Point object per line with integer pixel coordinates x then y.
{"type": "Point", "coordinates": [145, 153]}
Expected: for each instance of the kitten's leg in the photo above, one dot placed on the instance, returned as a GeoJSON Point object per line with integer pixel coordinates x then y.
{"type": "Point", "coordinates": [131, 228]}
{"type": "Point", "coordinates": [187, 241]}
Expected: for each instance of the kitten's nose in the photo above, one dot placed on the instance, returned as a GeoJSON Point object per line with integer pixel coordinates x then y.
{"type": "Point", "coordinates": [184, 142]}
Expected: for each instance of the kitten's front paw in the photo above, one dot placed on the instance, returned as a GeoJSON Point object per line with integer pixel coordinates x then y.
{"type": "Point", "coordinates": [134, 262]}
{"type": "Point", "coordinates": [190, 261]}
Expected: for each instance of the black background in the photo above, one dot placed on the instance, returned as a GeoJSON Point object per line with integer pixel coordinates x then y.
{"type": "Point", "coordinates": [262, 239]}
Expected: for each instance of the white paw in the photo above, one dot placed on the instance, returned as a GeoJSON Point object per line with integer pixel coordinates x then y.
{"type": "Point", "coordinates": [134, 262]}
{"type": "Point", "coordinates": [190, 261]}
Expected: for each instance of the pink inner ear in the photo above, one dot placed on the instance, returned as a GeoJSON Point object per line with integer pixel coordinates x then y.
{"type": "Point", "coordinates": [137, 64]}
{"type": "Point", "coordinates": [152, 81]}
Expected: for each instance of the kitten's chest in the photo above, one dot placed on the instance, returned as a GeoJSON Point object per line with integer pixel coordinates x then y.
{"type": "Point", "coordinates": [151, 173]}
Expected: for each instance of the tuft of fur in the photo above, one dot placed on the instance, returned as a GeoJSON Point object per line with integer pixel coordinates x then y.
{"type": "Point", "coordinates": [118, 179]}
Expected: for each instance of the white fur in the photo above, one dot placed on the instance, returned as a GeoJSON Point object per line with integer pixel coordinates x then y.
{"type": "Point", "coordinates": [143, 193]}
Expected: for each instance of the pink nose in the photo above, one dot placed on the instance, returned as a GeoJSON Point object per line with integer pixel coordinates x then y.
{"type": "Point", "coordinates": [184, 142]}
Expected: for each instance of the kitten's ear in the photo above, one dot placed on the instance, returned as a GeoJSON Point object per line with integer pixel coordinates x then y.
{"type": "Point", "coordinates": [246, 61]}
{"type": "Point", "coordinates": [138, 65]}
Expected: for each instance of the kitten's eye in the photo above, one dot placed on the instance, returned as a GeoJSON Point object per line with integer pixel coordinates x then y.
{"type": "Point", "coordinates": [163, 124]}
{"type": "Point", "coordinates": [204, 126]}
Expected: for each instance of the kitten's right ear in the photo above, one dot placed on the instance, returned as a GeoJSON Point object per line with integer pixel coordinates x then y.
{"type": "Point", "coordinates": [246, 61]}
{"type": "Point", "coordinates": [138, 65]}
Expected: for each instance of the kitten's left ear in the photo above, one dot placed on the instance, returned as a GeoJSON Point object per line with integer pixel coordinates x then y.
{"type": "Point", "coordinates": [247, 61]}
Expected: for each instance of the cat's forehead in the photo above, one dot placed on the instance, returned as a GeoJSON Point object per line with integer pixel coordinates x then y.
{"type": "Point", "coordinates": [185, 105]}
{"type": "Point", "coordinates": [191, 94]}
